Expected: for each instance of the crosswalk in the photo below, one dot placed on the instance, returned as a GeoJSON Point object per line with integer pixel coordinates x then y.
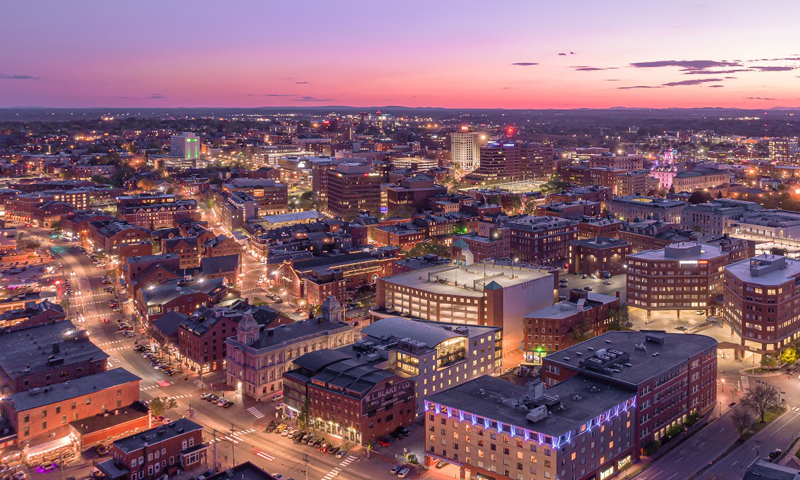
{"type": "Point", "coordinates": [347, 461]}
{"type": "Point", "coordinates": [265, 456]}
{"type": "Point", "coordinates": [333, 473]}
{"type": "Point", "coordinates": [255, 412]}
{"type": "Point", "coordinates": [796, 409]}
{"type": "Point", "coordinates": [234, 437]}
{"type": "Point", "coordinates": [112, 342]}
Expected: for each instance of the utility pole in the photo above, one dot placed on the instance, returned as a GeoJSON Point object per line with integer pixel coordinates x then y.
{"type": "Point", "coordinates": [233, 446]}
{"type": "Point", "coordinates": [215, 449]}
{"type": "Point", "coordinates": [305, 464]}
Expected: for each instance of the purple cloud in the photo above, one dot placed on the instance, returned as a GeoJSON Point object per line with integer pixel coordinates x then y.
{"type": "Point", "coordinates": [277, 95]}
{"type": "Point", "coordinates": [582, 68]}
{"type": "Point", "coordinates": [687, 64]}
{"type": "Point", "coordinates": [716, 72]}
{"type": "Point", "coordinates": [4, 76]}
{"type": "Point", "coordinates": [307, 98]}
{"type": "Point", "coordinates": [760, 98]}
{"type": "Point", "coordinates": [774, 68]}
{"type": "Point", "coordinates": [715, 86]}
{"type": "Point", "coordinates": [524, 64]}
{"type": "Point", "coordinates": [156, 96]}
{"type": "Point", "coordinates": [697, 81]}
{"type": "Point", "coordinates": [639, 86]}
{"type": "Point", "coordinates": [301, 83]}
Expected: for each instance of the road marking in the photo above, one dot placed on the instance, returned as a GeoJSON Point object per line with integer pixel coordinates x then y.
{"type": "Point", "coordinates": [265, 456]}
{"type": "Point", "coordinates": [673, 475]}
{"type": "Point", "coordinates": [231, 439]}
{"type": "Point", "coordinates": [255, 412]}
{"type": "Point", "coordinates": [734, 463]}
{"type": "Point", "coordinates": [335, 473]}
{"type": "Point", "coordinates": [348, 461]}
{"type": "Point", "coordinates": [702, 444]}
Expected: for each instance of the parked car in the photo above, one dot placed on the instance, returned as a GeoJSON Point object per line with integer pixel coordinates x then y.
{"type": "Point", "coordinates": [606, 282]}
{"type": "Point", "coordinates": [775, 454]}
{"type": "Point", "coordinates": [395, 469]}
{"type": "Point", "coordinates": [341, 453]}
{"type": "Point", "coordinates": [400, 433]}
{"type": "Point", "coordinates": [384, 441]}
{"type": "Point", "coordinates": [403, 472]}
{"type": "Point", "coordinates": [441, 464]}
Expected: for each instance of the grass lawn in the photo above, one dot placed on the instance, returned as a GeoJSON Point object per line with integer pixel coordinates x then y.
{"type": "Point", "coordinates": [771, 415]}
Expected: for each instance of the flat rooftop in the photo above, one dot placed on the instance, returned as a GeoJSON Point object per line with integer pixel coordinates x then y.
{"type": "Point", "coordinates": [466, 281]}
{"type": "Point", "coordinates": [568, 308]}
{"type": "Point", "coordinates": [39, 397]}
{"type": "Point", "coordinates": [155, 435]}
{"type": "Point", "coordinates": [675, 349]}
{"type": "Point", "coordinates": [45, 347]}
{"type": "Point", "coordinates": [706, 252]}
{"type": "Point", "coordinates": [580, 399]}
{"type": "Point", "coordinates": [743, 270]}
{"type": "Point", "coordinates": [429, 333]}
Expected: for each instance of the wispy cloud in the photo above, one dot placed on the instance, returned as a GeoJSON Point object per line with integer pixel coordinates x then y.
{"type": "Point", "coordinates": [716, 72]}
{"type": "Point", "coordinates": [612, 80]}
{"type": "Point", "coordinates": [716, 86]}
{"type": "Point", "coordinates": [635, 87]}
{"type": "Point", "coordinates": [697, 81]}
{"type": "Point", "coordinates": [156, 96]}
{"type": "Point", "coordinates": [301, 83]}
{"type": "Point", "coordinates": [6, 76]}
{"type": "Point", "coordinates": [682, 83]}
{"type": "Point", "coordinates": [308, 98]}
{"type": "Point", "coordinates": [583, 68]}
{"type": "Point", "coordinates": [759, 98]}
{"type": "Point", "coordinates": [277, 95]}
{"type": "Point", "coordinates": [687, 64]}
{"type": "Point", "coordinates": [774, 68]}
{"type": "Point", "coordinates": [524, 64]}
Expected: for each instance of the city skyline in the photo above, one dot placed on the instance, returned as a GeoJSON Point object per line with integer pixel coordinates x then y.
{"type": "Point", "coordinates": [442, 54]}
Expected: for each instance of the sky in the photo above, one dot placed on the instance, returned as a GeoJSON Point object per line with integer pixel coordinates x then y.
{"type": "Point", "coordinates": [433, 53]}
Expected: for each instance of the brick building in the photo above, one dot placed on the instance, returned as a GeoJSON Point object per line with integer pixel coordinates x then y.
{"type": "Point", "coordinates": [257, 359]}
{"type": "Point", "coordinates": [550, 329]}
{"type": "Point", "coordinates": [348, 399]}
{"type": "Point", "coordinates": [157, 452]}
{"type": "Point", "coordinates": [681, 276]}
{"type": "Point", "coordinates": [107, 235]}
{"type": "Point", "coordinates": [540, 240]}
{"type": "Point", "coordinates": [600, 254]}
{"type": "Point", "coordinates": [354, 188]}
{"type": "Point", "coordinates": [672, 375]}
{"type": "Point", "coordinates": [109, 426]}
{"type": "Point", "coordinates": [177, 295]}
{"type": "Point", "coordinates": [496, 247]}
{"type": "Point", "coordinates": [576, 209]}
{"type": "Point", "coordinates": [186, 248]}
{"type": "Point", "coordinates": [591, 227]}
{"type": "Point", "coordinates": [759, 297]}
{"type": "Point", "coordinates": [70, 355]}
{"type": "Point", "coordinates": [39, 415]}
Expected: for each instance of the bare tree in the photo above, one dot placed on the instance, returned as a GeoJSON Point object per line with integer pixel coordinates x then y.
{"type": "Point", "coordinates": [742, 420]}
{"type": "Point", "coordinates": [761, 398]}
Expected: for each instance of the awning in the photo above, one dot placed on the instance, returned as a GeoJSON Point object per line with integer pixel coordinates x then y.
{"type": "Point", "coordinates": [46, 447]}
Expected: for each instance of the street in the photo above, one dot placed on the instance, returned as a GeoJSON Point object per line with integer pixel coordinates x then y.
{"type": "Point", "coordinates": [235, 433]}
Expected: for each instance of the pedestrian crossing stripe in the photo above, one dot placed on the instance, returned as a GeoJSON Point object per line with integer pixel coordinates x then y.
{"type": "Point", "coordinates": [265, 456]}
{"type": "Point", "coordinates": [255, 412]}
{"type": "Point", "coordinates": [348, 461]}
{"type": "Point", "coordinates": [796, 409]}
{"type": "Point", "coordinates": [332, 473]}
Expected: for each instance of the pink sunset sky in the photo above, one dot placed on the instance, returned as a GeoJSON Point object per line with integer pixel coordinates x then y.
{"type": "Point", "coordinates": [513, 54]}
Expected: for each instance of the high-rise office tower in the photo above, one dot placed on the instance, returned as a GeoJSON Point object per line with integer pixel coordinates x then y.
{"type": "Point", "coordinates": [465, 149]}
{"type": "Point", "coordinates": [185, 145]}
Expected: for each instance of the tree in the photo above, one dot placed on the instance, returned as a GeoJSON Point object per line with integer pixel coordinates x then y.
{"type": "Point", "coordinates": [789, 355]}
{"type": "Point", "coordinates": [761, 398]}
{"type": "Point", "coordinates": [620, 318]}
{"type": "Point", "coordinates": [777, 251]}
{"type": "Point", "coordinates": [582, 331]}
{"type": "Point", "coordinates": [424, 248]}
{"type": "Point", "coordinates": [159, 405]}
{"type": "Point", "coordinates": [742, 420]}
{"type": "Point", "coordinates": [514, 204]}
{"type": "Point", "coordinates": [699, 196]}
{"type": "Point", "coordinates": [314, 311]}
{"type": "Point", "coordinates": [769, 361]}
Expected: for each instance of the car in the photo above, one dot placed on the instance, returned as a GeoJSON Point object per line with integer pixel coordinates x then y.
{"type": "Point", "coordinates": [561, 298]}
{"type": "Point", "coordinates": [286, 432]}
{"type": "Point", "coordinates": [205, 395]}
{"type": "Point", "coordinates": [587, 288]}
{"type": "Point", "coordinates": [441, 464]}
{"type": "Point", "coordinates": [775, 454]}
{"type": "Point", "coordinates": [20, 476]}
{"type": "Point", "coordinates": [212, 398]}
{"type": "Point", "coordinates": [700, 312]}
{"type": "Point", "coordinates": [105, 320]}
{"type": "Point", "coordinates": [606, 282]}
{"type": "Point", "coordinates": [583, 276]}
{"type": "Point", "coordinates": [323, 447]}
{"type": "Point", "coordinates": [101, 449]}
{"type": "Point", "coordinates": [384, 441]}
{"type": "Point", "coordinates": [395, 469]}
{"type": "Point", "coordinates": [341, 453]}
{"type": "Point", "coordinates": [400, 433]}
{"type": "Point", "coordinates": [277, 476]}
{"type": "Point", "coordinates": [317, 442]}
{"type": "Point", "coordinates": [128, 333]}
{"type": "Point", "coordinates": [332, 451]}
{"type": "Point", "coordinates": [277, 398]}
{"type": "Point", "coordinates": [403, 472]}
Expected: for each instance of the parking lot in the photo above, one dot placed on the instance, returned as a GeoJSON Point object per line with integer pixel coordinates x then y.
{"type": "Point", "coordinates": [617, 284]}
